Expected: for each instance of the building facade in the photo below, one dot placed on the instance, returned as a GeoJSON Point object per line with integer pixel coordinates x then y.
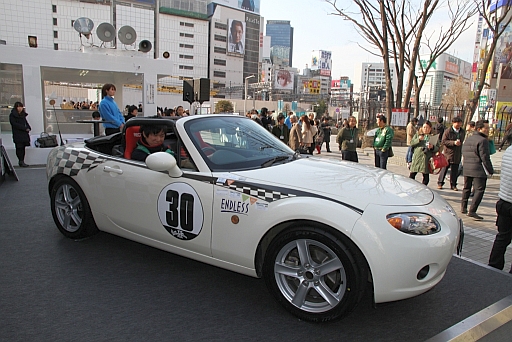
{"type": "Point", "coordinates": [371, 79]}
{"type": "Point", "coordinates": [281, 44]}
{"type": "Point", "coordinates": [442, 73]}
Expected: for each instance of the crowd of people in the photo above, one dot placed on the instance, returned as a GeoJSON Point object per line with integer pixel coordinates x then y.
{"type": "Point", "coordinates": [79, 105]}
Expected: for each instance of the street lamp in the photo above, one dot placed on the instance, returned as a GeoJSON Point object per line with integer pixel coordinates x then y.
{"type": "Point", "coordinates": [245, 98]}
{"type": "Point", "coordinates": [368, 81]}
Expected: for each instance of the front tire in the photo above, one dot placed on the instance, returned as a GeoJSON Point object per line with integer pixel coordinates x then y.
{"type": "Point", "coordinates": [70, 210]}
{"type": "Point", "coordinates": [313, 274]}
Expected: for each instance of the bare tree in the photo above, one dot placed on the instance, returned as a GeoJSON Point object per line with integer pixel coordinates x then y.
{"type": "Point", "coordinates": [497, 22]}
{"type": "Point", "coordinates": [395, 30]}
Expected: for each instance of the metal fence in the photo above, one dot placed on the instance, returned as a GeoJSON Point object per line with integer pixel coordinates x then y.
{"type": "Point", "coordinates": [368, 112]}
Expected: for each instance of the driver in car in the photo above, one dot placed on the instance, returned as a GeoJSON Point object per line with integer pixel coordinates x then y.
{"type": "Point", "coordinates": [151, 140]}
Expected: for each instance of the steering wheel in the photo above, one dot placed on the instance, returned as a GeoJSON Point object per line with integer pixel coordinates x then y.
{"type": "Point", "coordinates": [208, 150]}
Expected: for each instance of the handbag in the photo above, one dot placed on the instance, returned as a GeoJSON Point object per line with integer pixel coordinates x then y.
{"type": "Point", "coordinates": [303, 150]}
{"type": "Point", "coordinates": [437, 162]}
{"type": "Point", "coordinates": [46, 140]}
{"type": "Point", "coordinates": [492, 147]}
{"type": "Point", "coordinates": [390, 152]}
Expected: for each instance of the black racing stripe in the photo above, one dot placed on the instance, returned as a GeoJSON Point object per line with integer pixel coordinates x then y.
{"type": "Point", "coordinates": [300, 193]}
{"type": "Point", "coordinates": [207, 179]}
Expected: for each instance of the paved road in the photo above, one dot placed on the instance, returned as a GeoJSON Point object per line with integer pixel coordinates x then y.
{"type": "Point", "coordinates": [479, 234]}
{"type": "Point", "coordinates": [107, 288]}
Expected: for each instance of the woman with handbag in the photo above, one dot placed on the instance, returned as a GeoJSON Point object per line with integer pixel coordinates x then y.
{"type": "Point", "coordinates": [423, 150]}
{"type": "Point", "coordinates": [308, 132]}
{"type": "Point", "coordinates": [20, 130]}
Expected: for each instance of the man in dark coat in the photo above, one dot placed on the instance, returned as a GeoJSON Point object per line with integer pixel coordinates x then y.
{"type": "Point", "coordinates": [452, 142]}
{"type": "Point", "coordinates": [477, 167]}
{"type": "Point", "coordinates": [440, 127]}
{"type": "Point", "coordinates": [280, 130]}
{"type": "Point", "coordinates": [20, 130]}
{"type": "Point", "coordinates": [327, 133]}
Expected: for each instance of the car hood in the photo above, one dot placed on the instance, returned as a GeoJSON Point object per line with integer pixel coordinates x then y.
{"type": "Point", "coordinates": [352, 183]}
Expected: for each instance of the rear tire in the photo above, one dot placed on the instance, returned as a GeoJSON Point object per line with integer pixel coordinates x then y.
{"type": "Point", "coordinates": [313, 274]}
{"type": "Point", "coordinates": [71, 211]}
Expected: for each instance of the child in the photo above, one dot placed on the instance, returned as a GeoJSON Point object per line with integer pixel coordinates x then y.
{"type": "Point", "coordinates": [151, 141]}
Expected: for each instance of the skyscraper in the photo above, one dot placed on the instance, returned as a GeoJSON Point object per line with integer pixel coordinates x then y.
{"type": "Point", "coordinates": [281, 44]}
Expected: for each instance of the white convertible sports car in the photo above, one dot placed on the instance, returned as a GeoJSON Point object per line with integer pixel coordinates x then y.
{"type": "Point", "coordinates": [236, 197]}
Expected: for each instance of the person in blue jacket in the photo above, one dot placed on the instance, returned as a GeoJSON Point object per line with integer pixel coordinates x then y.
{"type": "Point", "coordinates": [109, 110]}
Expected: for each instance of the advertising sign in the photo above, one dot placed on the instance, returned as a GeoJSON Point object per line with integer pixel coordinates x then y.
{"type": "Point", "coordinates": [503, 55]}
{"type": "Point", "coordinates": [322, 60]}
{"type": "Point", "coordinates": [284, 80]}
{"type": "Point", "coordinates": [311, 86]}
{"type": "Point", "coordinates": [245, 5]}
{"type": "Point", "coordinates": [236, 38]}
{"type": "Point", "coordinates": [399, 116]}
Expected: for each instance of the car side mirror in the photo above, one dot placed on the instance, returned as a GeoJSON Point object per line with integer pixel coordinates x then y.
{"type": "Point", "coordinates": [163, 161]}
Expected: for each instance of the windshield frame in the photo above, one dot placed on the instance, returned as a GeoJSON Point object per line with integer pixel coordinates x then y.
{"type": "Point", "coordinates": [253, 146]}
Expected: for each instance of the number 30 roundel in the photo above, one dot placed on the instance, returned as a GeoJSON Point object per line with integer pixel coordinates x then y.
{"type": "Point", "coordinates": [180, 211]}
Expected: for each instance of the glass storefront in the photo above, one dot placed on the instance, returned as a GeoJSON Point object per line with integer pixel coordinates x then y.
{"type": "Point", "coordinates": [11, 91]}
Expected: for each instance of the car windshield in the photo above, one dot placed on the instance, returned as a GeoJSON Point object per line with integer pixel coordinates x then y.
{"type": "Point", "coordinates": [236, 143]}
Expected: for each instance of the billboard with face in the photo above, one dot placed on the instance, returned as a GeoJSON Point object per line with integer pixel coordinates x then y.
{"type": "Point", "coordinates": [284, 80]}
{"type": "Point", "coordinates": [236, 38]}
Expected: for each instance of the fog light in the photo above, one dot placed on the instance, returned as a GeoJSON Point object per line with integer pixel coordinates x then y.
{"type": "Point", "coordinates": [423, 272]}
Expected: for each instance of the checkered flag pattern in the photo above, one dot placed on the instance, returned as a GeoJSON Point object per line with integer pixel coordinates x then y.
{"type": "Point", "coordinates": [70, 162]}
{"type": "Point", "coordinates": [267, 195]}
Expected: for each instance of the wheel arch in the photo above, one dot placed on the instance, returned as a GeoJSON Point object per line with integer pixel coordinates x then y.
{"type": "Point", "coordinates": [283, 227]}
{"type": "Point", "coordinates": [54, 179]}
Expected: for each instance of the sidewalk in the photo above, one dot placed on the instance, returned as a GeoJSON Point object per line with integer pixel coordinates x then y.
{"type": "Point", "coordinates": [479, 235]}
{"type": "Point", "coordinates": [401, 151]}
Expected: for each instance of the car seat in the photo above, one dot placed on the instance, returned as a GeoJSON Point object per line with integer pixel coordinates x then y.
{"type": "Point", "coordinates": [132, 135]}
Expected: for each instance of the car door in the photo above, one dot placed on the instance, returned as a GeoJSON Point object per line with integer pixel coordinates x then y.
{"type": "Point", "coordinates": [176, 211]}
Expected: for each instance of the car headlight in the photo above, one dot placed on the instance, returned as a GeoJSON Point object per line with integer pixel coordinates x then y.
{"type": "Point", "coordinates": [414, 223]}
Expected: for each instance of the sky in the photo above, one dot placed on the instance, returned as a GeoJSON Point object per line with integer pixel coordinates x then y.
{"type": "Point", "coordinates": [316, 29]}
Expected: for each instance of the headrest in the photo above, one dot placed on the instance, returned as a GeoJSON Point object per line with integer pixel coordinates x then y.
{"type": "Point", "coordinates": [132, 135]}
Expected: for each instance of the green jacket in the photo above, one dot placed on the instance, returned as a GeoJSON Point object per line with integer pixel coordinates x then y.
{"type": "Point", "coordinates": [420, 157]}
{"type": "Point", "coordinates": [383, 138]}
{"type": "Point", "coordinates": [347, 138]}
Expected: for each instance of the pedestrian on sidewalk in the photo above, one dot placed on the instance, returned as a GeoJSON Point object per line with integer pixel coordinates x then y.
{"type": "Point", "coordinates": [477, 167]}
{"type": "Point", "coordinates": [295, 134]}
{"type": "Point", "coordinates": [452, 143]}
{"type": "Point", "coordinates": [347, 138]}
{"type": "Point", "coordinates": [440, 127]}
{"type": "Point", "coordinates": [20, 131]}
{"type": "Point", "coordinates": [308, 131]}
{"type": "Point", "coordinates": [504, 211]}
{"type": "Point", "coordinates": [382, 143]}
{"type": "Point", "coordinates": [411, 131]}
{"type": "Point", "coordinates": [319, 137]}
{"type": "Point", "coordinates": [423, 151]}
{"type": "Point", "coordinates": [326, 128]}
{"type": "Point", "coordinates": [280, 130]}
